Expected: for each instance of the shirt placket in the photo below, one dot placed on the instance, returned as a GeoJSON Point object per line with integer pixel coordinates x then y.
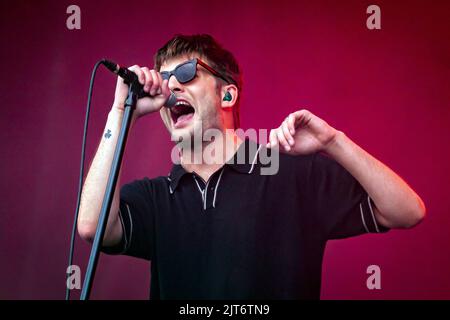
{"type": "Point", "coordinates": [209, 189]}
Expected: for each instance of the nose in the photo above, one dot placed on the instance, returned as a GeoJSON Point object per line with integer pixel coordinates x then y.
{"type": "Point", "coordinates": [174, 85]}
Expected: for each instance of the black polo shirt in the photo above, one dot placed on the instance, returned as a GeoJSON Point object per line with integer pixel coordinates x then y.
{"type": "Point", "coordinates": [242, 235]}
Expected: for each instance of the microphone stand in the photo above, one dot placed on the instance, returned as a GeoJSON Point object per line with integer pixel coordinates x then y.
{"type": "Point", "coordinates": [130, 106]}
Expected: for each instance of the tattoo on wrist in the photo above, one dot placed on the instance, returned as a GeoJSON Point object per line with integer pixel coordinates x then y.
{"type": "Point", "coordinates": [108, 134]}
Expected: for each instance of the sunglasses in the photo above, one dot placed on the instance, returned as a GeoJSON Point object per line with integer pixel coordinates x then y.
{"type": "Point", "coordinates": [186, 71]}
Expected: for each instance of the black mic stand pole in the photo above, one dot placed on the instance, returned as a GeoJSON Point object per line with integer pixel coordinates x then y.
{"type": "Point", "coordinates": [130, 105]}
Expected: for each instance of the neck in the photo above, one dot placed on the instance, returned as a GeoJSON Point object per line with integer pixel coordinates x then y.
{"type": "Point", "coordinates": [207, 157]}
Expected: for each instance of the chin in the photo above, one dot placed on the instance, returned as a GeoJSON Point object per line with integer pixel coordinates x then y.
{"type": "Point", "coordinates": [182, 134]}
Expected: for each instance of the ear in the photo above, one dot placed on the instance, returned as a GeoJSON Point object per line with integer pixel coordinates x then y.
{"type": "Point", "coordinates": [233, 94]}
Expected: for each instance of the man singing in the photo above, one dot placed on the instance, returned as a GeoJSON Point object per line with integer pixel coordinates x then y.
{"type": "Point", "coordinates": [222, 229]}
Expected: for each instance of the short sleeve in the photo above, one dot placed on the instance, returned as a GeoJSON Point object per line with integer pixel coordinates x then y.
{"type": "Point", "coordinates": [137, 221]}
{"type": "Point", "coordinates": [342, 207]}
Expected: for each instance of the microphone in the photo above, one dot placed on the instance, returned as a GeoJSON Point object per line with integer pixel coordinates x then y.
{"type": "Point", "coordinates": [129, 77]}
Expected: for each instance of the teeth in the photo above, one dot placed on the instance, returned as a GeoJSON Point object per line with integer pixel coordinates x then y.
{"type": "Point", "coordinates": [182, 103]}
{"type": "Point", "coordinates": [178, 112]}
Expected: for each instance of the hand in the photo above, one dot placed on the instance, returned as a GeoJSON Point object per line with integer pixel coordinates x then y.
{"type": "Point", "coordinates": [302, 133]}
{"type": "Point", "coordinates": [153, 84]}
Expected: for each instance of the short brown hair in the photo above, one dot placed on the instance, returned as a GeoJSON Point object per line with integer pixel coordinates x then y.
{"type": "Point", "coordinates": [205, 45]}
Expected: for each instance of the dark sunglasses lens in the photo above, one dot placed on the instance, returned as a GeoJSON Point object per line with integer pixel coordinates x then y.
{"type": "Point", "coordinates": [186, 72]}
{"type": "Point", "coordinates": [165, 75]}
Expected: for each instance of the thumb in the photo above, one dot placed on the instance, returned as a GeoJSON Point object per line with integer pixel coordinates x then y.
{"type": "Point", "coordinates": [165, 91]}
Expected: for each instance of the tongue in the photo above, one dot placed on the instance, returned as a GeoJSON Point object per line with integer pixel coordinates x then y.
{"type": "Point", "coordinates": [184, 117]}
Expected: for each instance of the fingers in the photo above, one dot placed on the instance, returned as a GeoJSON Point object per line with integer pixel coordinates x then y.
{"type": "Point", "coordinates": [148, 79]}
{"type": "Point", "coordinates": [287, 134]}
{"type": "Point", "coordinates": [284, 135]}
{"type": "Point", "coordinates": [160, 79]}
{"type": "Point", "coordinates": [277, 137]}
{"type": "Point", "coordinates": [165, 91]}
{"type": "Point", "coordinates": [302, 118]}
{"type": "Point", "coordinates": [273, 141]}
{"type": "Point", "coordinates": [282, 139]}
{"type": "Point", "coordinates": [291, 123]}
{"type": "Point", "coordinates": [140, 74]}
{"type": "Point", "coordinates": [156, 83]}
{"type": "Point", "coordinates": [151, 80]}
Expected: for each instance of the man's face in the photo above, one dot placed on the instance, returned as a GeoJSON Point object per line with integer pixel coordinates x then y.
{"type": "Point", "coordinates": [202, 96]}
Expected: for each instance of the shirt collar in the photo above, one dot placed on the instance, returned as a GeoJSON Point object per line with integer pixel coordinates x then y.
{"type": "Point", "coordinates": [175, 176]}
{"type": "Point", "coordinates": [246, 157]}
{"type": "Point", "coordinates": [245, 160]}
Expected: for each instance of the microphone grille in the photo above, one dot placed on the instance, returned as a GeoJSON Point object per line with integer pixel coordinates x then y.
{"type": "Point", "coordinates": [171, 101]}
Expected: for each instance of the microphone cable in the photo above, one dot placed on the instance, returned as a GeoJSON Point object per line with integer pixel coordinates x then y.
{"type": "Point", "coordinates": [80, 183]}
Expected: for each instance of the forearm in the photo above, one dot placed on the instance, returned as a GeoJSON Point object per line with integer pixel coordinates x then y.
{"type": "Point", "coordinates": [95, 185]}
{"type": "Point", "coordinates": [397, 205]}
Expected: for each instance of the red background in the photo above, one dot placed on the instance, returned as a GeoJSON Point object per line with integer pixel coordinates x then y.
{"type": "Point", "coordinates": [387, 89]}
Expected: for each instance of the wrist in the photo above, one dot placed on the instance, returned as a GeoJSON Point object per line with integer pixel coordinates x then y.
{"type": "Point", "coordinates": [116, 111]}
{"type": "Point", "coordinates": [336, 144]}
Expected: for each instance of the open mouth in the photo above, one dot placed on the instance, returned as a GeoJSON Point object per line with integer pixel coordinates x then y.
{"type": "Point", "coordinates": [181, 113]}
